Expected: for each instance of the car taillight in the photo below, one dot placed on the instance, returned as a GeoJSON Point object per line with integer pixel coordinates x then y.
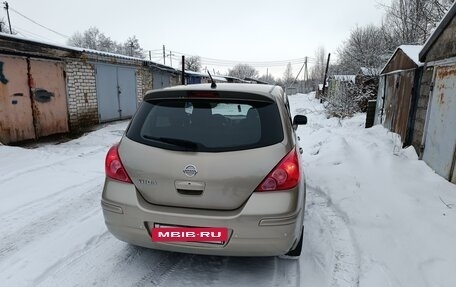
{"type": "Point", "coordinates": [202, 94]}
{"type": "Point", "coordinates": [284, 176]}
{"type": "Point", "coordinates": [114, 167]}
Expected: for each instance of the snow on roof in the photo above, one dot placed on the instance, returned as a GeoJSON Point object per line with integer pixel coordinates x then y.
{"type": "Point", "coordinates": [412, 51]}
{"type": "Point", "coordinates": [345, 78]}
{"type": "Point", "coordinates": [77, 49]}
{"type": "Point", "coordinates": [369, 71]}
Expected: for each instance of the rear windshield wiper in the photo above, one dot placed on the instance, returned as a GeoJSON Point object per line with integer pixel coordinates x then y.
{"type": "Point", "coordinates": [176, 142]}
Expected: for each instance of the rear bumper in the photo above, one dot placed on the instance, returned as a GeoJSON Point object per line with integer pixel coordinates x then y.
{"type": "Point", "coordinates": [268, 224]}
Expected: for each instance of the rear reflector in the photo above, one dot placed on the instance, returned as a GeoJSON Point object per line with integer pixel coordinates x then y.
{"type": "Point", "coordinates": [113, 166]}
{"type": "Point", "coordinates": [284, 176]}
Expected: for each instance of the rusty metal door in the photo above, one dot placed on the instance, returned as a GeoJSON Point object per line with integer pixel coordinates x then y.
{"type": "Point", "coordinates": [403, 104]}
{"type": "Point", "coordinates": [49, 97]}
{"type": "Point", "coordinates": [16, 117]}
{"type": "Point", "coordinates": [392, 82]}
{"type": "Point", "coordinates": [398, 97]}
{"type": "Point", "coordinates": [440, 142]}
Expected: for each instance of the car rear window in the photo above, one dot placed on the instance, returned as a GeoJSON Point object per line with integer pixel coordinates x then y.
{"type": "Point", "coordinates": [206, 125]}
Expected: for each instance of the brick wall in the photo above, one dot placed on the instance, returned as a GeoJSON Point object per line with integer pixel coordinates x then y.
{"type": "Point", "coordinates": [82, 94]}
{"type": "Point", "coordinates": [143, 82]}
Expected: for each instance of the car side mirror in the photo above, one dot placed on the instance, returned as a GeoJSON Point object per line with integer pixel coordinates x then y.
{"type": "Point", "coordinates": [299, 120]}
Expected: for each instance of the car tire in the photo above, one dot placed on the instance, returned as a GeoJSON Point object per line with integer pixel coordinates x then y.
{"type": "Point", "coordinates": [296, 252]}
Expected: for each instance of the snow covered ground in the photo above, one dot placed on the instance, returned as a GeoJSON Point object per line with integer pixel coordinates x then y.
{"type": "Point", "coordinates": [376, 216]}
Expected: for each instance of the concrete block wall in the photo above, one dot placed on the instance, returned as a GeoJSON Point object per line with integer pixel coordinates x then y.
{"type": "Point", "coordinates": [421, 108]}
{"type": "Point", "coordinates": [82, 94]}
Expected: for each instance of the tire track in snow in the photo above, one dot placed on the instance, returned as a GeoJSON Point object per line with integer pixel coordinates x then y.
{"type": "Point", "coordinates": [346, 264]}
{"type": "Point", "coordinates": [161, 271]}
{"type": "Point", "coordinates": [47, 201]}
{"type": "Point", "coordinates": [77, 208]}
{"type": "Point", "coordinates": [287, 272]}
{"type": "Point", "coordinates": [14, 175]}
{"type": "Point", "coordinates": [63, 262]}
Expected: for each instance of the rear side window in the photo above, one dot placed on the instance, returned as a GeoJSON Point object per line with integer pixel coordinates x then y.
{"type": "Point", "coordinates": [207, 125]}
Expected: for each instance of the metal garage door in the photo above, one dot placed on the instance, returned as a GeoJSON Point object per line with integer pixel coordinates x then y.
{"type": "Point", "coordinates": [440, 143]}
{"type": "Point", "coordinates": [116, 92]}
{"type": "Point", "coordinates": [49, 97]}
{"type": "Point", "coordinates": [161, 80]}
{"type": "Point", "coordinates": [33, 99]}
{"type": "Point", "coordinates": [16, 118]}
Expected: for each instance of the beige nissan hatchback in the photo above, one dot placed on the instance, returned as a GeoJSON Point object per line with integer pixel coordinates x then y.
{"type": "Point", "coordinates": [204, 157]}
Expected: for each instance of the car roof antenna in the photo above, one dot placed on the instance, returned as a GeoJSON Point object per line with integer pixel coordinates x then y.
{"type": "Point", "coordinates": [213, 84]}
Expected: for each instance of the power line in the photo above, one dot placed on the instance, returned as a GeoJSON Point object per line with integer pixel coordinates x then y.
{"type": "Point", "coordinates": [31, 34]}
{"type": "Point", "coordinates": [33, 21]}
{"type": "Point", "coordinates": [223, 62]}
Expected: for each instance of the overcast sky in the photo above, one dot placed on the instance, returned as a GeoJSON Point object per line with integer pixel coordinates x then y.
{"type": "Point", "coordinates": [241, 31]}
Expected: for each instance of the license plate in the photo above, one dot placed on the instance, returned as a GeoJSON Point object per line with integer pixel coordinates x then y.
{"type": "Point", "coordinates": [173, 233]}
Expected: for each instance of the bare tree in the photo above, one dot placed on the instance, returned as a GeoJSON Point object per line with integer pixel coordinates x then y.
{"type": "Point", "coordinates": [288, 75]}
{"type": "Point", "coordinates": [193, 63]}
{"type": "Point", "coordinates": [4, 27]}
{"type": "Point", "coordinates": [242, 71]}
{"type": "Point", "coordinates": [411, 21]}
{"type": "Point", "coordinates": [318, 69]}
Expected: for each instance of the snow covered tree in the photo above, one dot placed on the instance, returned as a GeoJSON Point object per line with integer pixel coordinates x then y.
{"type": "Point", "coordinates": [242, 71]}
{"type": "Point", "coordinates": [93, 39]}
{"type": "Point", "coordinates": [193, 63]}
{"type": "Point", "coordinates": [342, 101]}
{"type": "Point", "coordinates": [365, 47]}
{"type": "Point", "coordinates": [268, 79]}
{"type": "Point", "coordinates": [132, 48]}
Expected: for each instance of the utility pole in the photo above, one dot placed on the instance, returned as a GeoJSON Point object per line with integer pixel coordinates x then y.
{"type": "Point", "coordinates": [164, 55]}
{"type": "Point", "coordinates": [326, 74]}
{"type": "Point", "coordinates": [170, 59]}
{"type": "Point", "coordinates": [131, 48]}
{"type": "Point", "coordinates": [7, 13]}
{"type": "Point", "coordinates": [150, 55]}
{"type": "Point", "coordinates": [267, 73]}
{"type": "Point", "coordinates": [183, 70]}
{"type": "Point", "coordinates": [306, 75]}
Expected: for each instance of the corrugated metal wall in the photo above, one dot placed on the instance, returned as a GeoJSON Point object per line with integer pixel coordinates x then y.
{"type": "Point", "coordinates": [32, 99]}
{"type": "Point", "coordinates": [440, 139]}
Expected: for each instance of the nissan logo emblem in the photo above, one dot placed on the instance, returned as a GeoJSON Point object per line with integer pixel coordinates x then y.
{"type": "Point", "coordinates": [190, 170]}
